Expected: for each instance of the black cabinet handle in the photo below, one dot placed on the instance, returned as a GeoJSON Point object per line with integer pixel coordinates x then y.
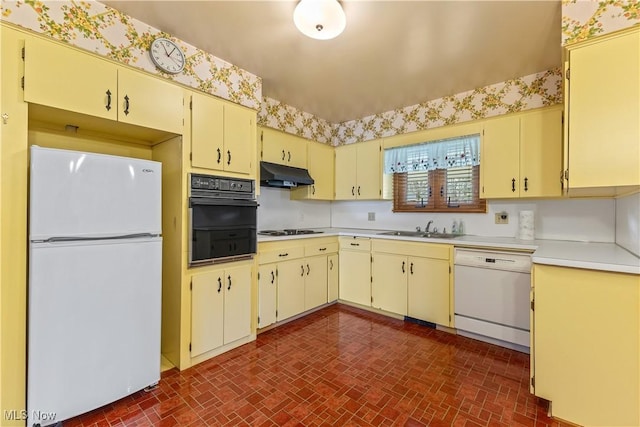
{"type": "Point", "coordinates": [219, 284]}
{"type": "Point", "coordinates": [353, 191]}
{"type": "Point", "coordinates": [126, 105]}
{"type": "Point", "coordinates": [229, 278]}
{"type": "Point", "coordinates": [228, 157]}
{"type": "Point", "coordinates": [283, 154]}
{"type": "Point", "coordinates": [285, 254]}
{"type": "Point", "coordinates": [358, 190]}
{"type": "Point", "coordinates": [322, 249]}
{"type": "Point", "coordinates": [411, 268]}
{"type": "Point", "coordinates": [273, 277]}
{"type": "Point", "coordinates": [513, 185]}
{"type": "Point", "coordinates": [313, 189]}
{"type": "Point", "coordinates": [330, 264]}
{"type": "Point", "coordinates": [108, 106]}
{"type": "Point", "coordinates": [289, 158]}
{"type": "Point", "coordinates": [403, 266]}
{"type": "Point", "coordinates": [355, 244]}
{"type": "Point", "coordinates": [308, 269]}
{"type": "Point", "coordinates": [219, 155]}
{"type": "Point", "coordinates": [526, 184]}
{"type": "Point", "coordinates": [302, 270]}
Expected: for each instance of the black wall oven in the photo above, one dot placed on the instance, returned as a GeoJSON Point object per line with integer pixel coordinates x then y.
{"type": "Point", "coordinates": [222, 219]}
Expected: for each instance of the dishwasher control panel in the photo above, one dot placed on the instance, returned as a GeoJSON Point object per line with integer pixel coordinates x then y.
{"type": "Point", "coordinates": [498, 260]}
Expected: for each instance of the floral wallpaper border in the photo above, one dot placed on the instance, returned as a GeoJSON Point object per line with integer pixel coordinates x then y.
{"type": "Point", "coordinates": [584, 19]}
{"type": "Point", "coordinates": [278, 115]}
{"type": "Point", "coordinates": [103, 30]}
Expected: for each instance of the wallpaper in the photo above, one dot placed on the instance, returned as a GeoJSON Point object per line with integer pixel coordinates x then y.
{"type": "Point", "coordinates": [583, 19]}
{"type": "Point", "coordinates": [277, 115]}
{"type": "Point", "coordinates": [532, 91]}
{"type": "Point", "coordinates": [98, 28]}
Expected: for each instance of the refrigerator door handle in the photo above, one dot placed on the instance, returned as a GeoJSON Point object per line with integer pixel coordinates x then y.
{"type": "Point", "coordinates": [79, 239]}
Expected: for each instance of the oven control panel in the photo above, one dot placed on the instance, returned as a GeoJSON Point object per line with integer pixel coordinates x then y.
{"type": "Point", "coordinates": [218, 186]}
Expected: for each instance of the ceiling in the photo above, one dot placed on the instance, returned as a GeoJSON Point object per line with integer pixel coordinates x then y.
{"type": "Point", "coordinates": [392, 54]}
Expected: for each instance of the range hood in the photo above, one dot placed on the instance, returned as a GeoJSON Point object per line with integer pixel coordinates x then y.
{"type": "Point", "coordinates": [275, 175]}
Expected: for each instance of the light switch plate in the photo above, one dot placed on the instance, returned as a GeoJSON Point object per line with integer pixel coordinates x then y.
{"type": "Point", "coordinates": [502, 218]}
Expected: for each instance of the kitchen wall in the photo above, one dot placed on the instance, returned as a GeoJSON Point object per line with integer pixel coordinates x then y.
{"type": "Point", "coordinates": [628, 223]}
{"type": "Point", "coordinates": [568, 219]}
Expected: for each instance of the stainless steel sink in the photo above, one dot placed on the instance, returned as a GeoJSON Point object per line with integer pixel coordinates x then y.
{"type": "Point", "coordinates": [420, 234]}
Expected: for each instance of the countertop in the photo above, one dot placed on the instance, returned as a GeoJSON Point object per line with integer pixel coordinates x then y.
{"type": "Point", "coordinates": [587, 255]}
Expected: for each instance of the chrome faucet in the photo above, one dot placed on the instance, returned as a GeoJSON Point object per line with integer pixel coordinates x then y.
{"type": "Point", "coordinates": [426, 230]}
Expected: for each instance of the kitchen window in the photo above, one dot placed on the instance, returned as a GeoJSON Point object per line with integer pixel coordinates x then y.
{"type": "Point", "coordinates": [438, 176]}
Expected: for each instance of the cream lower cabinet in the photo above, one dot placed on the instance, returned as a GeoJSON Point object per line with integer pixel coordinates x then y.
{"type": "Point", "coordinates": [355, 271]}
{"type": "Point", "coordinates": [333, 277]}
{"type": "Point", "coordinates": [294, 277]}
{"type": "Point", "coordinates": [412, 279]}
{"type": "Point", "coordinates": [220, 307]}
{"type": "Point", "coordinates": [586, 344]}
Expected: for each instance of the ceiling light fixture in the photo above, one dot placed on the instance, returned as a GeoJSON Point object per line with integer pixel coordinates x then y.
{"type": "Point", "coordinates": [319, 19]}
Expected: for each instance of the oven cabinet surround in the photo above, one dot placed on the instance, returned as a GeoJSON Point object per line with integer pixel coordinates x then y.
{"type": "Point", "coordinates": [412, 279]}
{"type": "Point", "coordinates": [602, 128]}
{"type": "Point", "coordinates": [355, 274]}
{"type": "Point", "coordinates": [282, 148]}
{"type": "Point", "coordinates": [521, 155]}
{"type": "Point", "coordinates": [321, 167]}
{"type": "Point", "coordinates": [364, 181]}
{"type": "Point", "coordinates": [66, 78]}
{"type": "Point", "coordinates": [586, 344]}
{"type": "Point", "coordinates": [222, 136]}
{"type": "Point", "coordinates": [220, 308]}
{"type": "Point", "coordinates": [294, 277]}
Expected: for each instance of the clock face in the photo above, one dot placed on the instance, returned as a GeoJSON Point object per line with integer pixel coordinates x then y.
{"type": "Point", "coordinates": [167, 55]}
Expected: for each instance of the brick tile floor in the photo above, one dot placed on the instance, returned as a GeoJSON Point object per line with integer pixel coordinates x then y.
{"type": "Point", "coordinates": [341, 366]}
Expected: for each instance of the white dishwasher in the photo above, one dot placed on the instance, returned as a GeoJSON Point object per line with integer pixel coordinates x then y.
{"type": "Point", "coordinates": [492, 296]}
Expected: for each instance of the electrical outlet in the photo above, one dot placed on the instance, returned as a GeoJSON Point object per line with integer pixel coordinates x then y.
{"type": "Point", "coordinates": [371, 216]}
{"type": "Point", "coordinates": [502, 218]}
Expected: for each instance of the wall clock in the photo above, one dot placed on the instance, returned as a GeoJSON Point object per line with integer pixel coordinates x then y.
{"type": "Point", "coordinates": [167, 55]}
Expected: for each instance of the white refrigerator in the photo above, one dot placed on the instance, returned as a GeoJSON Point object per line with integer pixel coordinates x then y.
{"type": "Point", "coordinates": [95, 254]}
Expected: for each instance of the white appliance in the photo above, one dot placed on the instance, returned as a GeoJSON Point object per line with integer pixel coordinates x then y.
{"type": "Point", "coordinates": [492, 296]}
{"type": "Point", "coordinates": [95, 277]}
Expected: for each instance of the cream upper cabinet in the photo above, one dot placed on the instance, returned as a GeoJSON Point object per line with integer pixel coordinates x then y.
{"type": "Point", "coordinates": [221, 135]}
{"type": "Point", "coordinates": [389, 284]}
{"type": "Point", "coordinates": [66, 78]}
{"type": "Point", "coordinates": [521, 155]}
{"type": "Point", "coordinates": [587, 382]}
{"type": "Point", "coordinates": [220, 307]}
{"type": "Point", "coordinates": [283, 148]}
{"type": "Point", "coordinates": [602, 96]}
{"type": "Point", "coordinates": [355, 274]}
{"type": "Point", "coordinates": [321, 168]}
{"type": "Point", "coordinates": [359, 171]}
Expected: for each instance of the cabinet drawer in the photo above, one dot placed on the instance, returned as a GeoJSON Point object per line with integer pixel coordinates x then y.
{"type": "Point", "coordinates": [280, 254]}
{"type": "Point", "coordinates": [320, 248]}
{"type": "Point", "coordinates": [355, 243]}
{"type": "Point", "coordinates": [425, 250]}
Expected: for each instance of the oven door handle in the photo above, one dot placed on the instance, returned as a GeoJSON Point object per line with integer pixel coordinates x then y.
{"type": "Point", "coordinates": [203, 201]}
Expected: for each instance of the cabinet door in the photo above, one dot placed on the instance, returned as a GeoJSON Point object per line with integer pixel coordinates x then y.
{"type": "Point", "coordinates": [321, 169]}
{"type": "Point", "coordinates": [332, 277]}
{"type": "Point", "coordinates": [207, 135]}
{"type": "Point", "coordinates": [589, 383]}
{"type": "Point", "coordinates": [207, 307]}
{"type": "Point", "coordinates": [345, 184]}
{"type": "Point", "coordinates": [355, 281]}
{"type": "Point", "coordinates": [604, 113]}
{"type": "Point", "coordinates": [541, 154]}
{"type": "Point", "coordinates": [283, 148]}
{"type": "Point", "coordinates": [369, 170]}
{"type": "Point", "coordinates": [149, 102]}
{"type": "Point", "coordinates": [389, 285]}
{"type": "Point", "coordinates": [237, 303]}
{"type": "Point", "coordinates": [428, 290]}
{"type": "Point", "coordinates": [296, 148]}
{"type": "Point", "coordinates": [290, 288]}
{"type": "Point", "coordinates": [266, 295]}
{"type": "Point", "coordinates": [238, 139]}
{"type": "Point", "coordinates": [315, 281]}
{"type": "Point", "coordinates": [499, 160]}
{"type": "Point", "coordinates": [65, 78]}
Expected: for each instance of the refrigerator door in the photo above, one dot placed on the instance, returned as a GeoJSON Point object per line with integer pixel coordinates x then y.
{"type": "Point", "coordinates": [76, 194]}
{"type": "Point", "coordinates": [94, 324]}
